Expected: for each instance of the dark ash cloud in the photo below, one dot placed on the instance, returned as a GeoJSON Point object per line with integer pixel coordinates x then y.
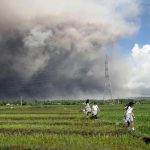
{"type": "Point", "coordinates": [57, 56]}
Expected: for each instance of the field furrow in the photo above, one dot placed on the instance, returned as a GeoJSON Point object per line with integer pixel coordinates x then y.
{"type": "Point", "coordinates": [68, 128]}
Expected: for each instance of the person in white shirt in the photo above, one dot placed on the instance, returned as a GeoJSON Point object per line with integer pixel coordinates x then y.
{"type": "Point", "coordinates": [87, 109]}
{"type": "Point", "coordinates": [129, 117]}
{"type": "Point", "coordinates": [95, 110]}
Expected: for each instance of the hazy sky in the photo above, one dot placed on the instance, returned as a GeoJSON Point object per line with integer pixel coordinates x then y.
{"type": "Point", "coordinates": [56, 49]}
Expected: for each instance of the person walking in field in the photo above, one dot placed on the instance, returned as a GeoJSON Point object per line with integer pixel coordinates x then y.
{"type": "Point", "coordinates": [95, 110]}
{"type": "Point", "coordinates": [87, 109]}
{"type": "Point", "coordinates": [129, 117]}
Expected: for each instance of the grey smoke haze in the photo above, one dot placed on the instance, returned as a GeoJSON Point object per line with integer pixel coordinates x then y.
{"type": "Point", "coordinates": [58, 51]}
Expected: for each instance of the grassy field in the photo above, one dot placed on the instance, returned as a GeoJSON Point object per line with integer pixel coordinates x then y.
{"type": "Point", "coordinates": [65, 127]}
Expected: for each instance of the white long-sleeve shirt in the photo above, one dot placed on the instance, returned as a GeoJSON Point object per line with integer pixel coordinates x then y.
{"type": "Point", "coordinates": [129, 110]}
{"type": "Point", "coordinates": [94, 109]}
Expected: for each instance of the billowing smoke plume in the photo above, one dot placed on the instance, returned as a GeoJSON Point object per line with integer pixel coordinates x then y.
{"type": "Point", "coordinates": [56, 49]}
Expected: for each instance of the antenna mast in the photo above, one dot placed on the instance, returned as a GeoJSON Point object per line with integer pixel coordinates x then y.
{"type": "Point", "coordinates": [107, 87]}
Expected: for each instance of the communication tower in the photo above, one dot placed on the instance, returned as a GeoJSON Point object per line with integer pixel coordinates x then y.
{"type": "Point", "coordinates": [107, 87]}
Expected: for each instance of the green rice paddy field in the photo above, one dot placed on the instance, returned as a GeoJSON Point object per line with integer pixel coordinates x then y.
{"type": "Point", "coordinates": [65, 127]}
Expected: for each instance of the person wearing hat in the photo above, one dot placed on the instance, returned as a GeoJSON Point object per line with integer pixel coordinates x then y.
{"type": "Point", "coordinates": [129, 117]}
